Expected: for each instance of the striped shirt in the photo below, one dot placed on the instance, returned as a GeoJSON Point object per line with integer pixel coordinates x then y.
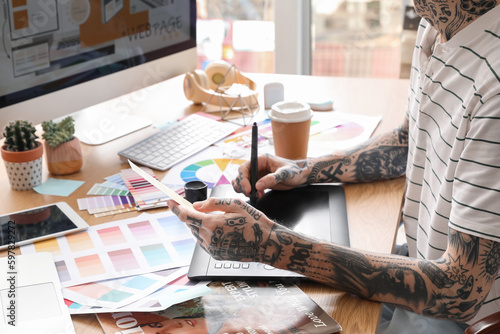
{"type": "Point", "coordinates": [453, 172]}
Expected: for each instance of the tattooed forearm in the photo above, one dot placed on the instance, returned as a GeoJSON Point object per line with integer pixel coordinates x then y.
{"type": "Point", "coordinates": [379, 277]}
{"type": "Point", "coordinates": [282, 237]}
{"type": "Point", "coordinates": [381, 158]}
{"type": "Point", "coordinates": [384, 162]}
{"type": "Point", "coordinates": [298, 260]}
{"type": "Point", "coordinates": [328, 170]}
{"type": "Point", "coordinates": [466, 243]}
{"type": "Point", "coordinates": [436, 275]}
{"type": "Point", "coordinates": [452, 287]}
{"type": "Point", "coordinates": [492, 264]}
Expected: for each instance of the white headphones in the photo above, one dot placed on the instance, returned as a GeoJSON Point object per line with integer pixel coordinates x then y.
{"type": "Point", "coordinates": [220, 84]}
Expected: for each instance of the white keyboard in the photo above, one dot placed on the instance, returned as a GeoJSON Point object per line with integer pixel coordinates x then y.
{"type": "Point", "coordinates": [179, 141]}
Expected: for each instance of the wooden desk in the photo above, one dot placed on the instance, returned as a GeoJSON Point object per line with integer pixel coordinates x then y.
{"type": "Point", "coordinates": [373, 209]}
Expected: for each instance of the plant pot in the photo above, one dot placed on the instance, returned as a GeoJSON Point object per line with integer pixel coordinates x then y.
{"type": "Point", "coordinates": [65, 158]}
{"type": "Point", "coordinates": [24, 168]}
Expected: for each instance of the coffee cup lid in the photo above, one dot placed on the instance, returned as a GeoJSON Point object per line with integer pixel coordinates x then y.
{"type": "Point", "coordinates": [290, 112]}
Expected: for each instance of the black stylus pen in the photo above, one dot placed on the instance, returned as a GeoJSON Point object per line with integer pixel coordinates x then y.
{"type": "Point", "coordinates": [253, 164]}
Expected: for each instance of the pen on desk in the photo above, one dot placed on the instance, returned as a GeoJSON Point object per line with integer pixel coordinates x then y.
{"type": "Point", "coordinates": [253, 164]}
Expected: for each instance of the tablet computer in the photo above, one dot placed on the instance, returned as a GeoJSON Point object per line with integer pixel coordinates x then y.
{"type": "Point", "coordinates": [35, 224]}
{"type": "Point", "coordinates": [317, 210]}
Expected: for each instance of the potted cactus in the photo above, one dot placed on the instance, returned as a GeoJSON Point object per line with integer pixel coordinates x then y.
{"type": "Point", "coordinates": [62, 148]}
{"type": "Point", "coordinates": [22, 154]}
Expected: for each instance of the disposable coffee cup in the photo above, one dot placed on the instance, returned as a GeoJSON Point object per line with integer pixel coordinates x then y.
{"type": "Point", "coordinates": [290, 122]}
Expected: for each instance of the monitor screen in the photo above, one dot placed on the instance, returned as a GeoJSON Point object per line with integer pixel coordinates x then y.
{"type": "Point", "coordinates": [58, 57]}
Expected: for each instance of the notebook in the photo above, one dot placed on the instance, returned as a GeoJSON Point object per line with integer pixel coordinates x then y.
{"type": "Point", "coordinates": [316, 210]}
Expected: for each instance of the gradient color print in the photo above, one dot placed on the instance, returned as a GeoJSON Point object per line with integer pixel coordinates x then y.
{"type": "Point", "coordinates": [116, 293]}
{"type": "Point", "coordinates": [145, 194]}
{"type": "Point", "coordinates": [122, 248]}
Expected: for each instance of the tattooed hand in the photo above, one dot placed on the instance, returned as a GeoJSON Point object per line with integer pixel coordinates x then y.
{"type": "Point", "coordinates": [240, 234]}
{"type": "Point", "coordinates": [273, 173]}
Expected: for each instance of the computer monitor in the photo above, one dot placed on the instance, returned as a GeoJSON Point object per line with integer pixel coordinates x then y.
{"type": "Point", "coordinates": [66, 56]}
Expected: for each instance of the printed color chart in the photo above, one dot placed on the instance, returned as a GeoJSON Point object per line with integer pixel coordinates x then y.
{"type": "Point", "coordinates": [205, 166]}
{"type": "Point", "coordinates": [98, 204]}
{"type": "Point", "coordinates": [174, 292]}
{"type": "Point", "coordinates": [122, 248]}
{"type": "Point", "coordinates": [118, 292]}
{"type": "Point", "coordinates": [145, 194]}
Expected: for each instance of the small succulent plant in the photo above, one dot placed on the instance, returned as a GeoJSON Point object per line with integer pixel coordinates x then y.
{"type": "Point", "coordinates": [20, 136]}
{"type": "Point", "coordinates": [57, 133]}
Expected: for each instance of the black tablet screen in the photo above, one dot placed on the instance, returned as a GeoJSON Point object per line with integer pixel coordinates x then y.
{"type": "Point", "coordinates": [33, 223]}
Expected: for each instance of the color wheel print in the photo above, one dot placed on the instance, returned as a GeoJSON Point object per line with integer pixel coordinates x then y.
{"type": "Point", "coordinates": [212, 171]}
{"type": "Point", "coordinates": [346, 131]}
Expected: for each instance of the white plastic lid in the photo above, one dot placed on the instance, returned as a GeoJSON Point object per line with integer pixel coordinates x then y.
{"type": "Point", "coordinates": [290, 112]}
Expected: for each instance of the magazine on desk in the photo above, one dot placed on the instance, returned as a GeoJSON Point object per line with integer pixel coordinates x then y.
{"type": "Point", "coordinates": [251, 307]}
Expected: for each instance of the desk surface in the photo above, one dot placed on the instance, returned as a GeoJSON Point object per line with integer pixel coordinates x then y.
{"type": "Point", "coordinates": [373, 209]}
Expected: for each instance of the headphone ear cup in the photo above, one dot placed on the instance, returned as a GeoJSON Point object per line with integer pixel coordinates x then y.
{"type": "Point", "coordinates": [193, 90]}
{"type": "Point", "coordinates": [201, 78]}
{"type": "Point", "coordinates": [219, 74]}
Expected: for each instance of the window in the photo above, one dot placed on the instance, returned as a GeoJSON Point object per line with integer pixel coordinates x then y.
{"type": "Point", "coordinates": [355, 38]}
{"type": "Point", "coordinates": [238, 31]}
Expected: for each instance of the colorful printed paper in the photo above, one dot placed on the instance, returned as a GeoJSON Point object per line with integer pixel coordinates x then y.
{"type": "Point", "coordinates": [350, 130]}
{"type": "Point", "coordinates": [146, 195]}
{"type": "Point", "coordinates": [209, 166]}
{"type": "Point", "coordinates": [151, 179]}
{"type": "Point", "coordinates": [172, 293]}
{"type": "Point", "coordinates": [99, 204]}
{"type": "Point", "coordinates": [118, 292]}
{"type": "Point", "coordinates": [233, 307]}
{"type": "Point", "coordinates": [122, 248]}
{"type": "Point", "coordinates": [117, 179]}
{"type": "Point", "coordinates": [102, 189]}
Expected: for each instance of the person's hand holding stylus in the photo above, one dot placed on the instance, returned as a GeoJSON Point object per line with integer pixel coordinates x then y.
{"type": "Point", "coordinates": [271, 172]}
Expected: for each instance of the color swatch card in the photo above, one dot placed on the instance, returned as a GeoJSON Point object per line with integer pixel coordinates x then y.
{"type": "Point", "coordinates": [132, 246]}
{"type": "Point", "coordinates": [100, 204]}
{"type": "Point", "coordinates": [116, 179]}
{"type": "Point", "coordinates": [146, 195]}
{"type": "Point", "coordinates": [107, 189]}
{"type": "Point", "coordinates": [118, 292]}
{"type": "Point", "coordinates": [172, 293]}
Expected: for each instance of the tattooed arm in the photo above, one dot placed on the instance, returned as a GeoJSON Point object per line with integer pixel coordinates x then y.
{"type": "Point", "coordinates": [383, 157]}
{"type": "Point", "coordinates": [452, 287]}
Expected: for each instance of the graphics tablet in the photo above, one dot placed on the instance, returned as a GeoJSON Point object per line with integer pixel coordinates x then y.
{"type": "Point", "coordinates": [43, 222]}
{"type": "Point", "coordinates": [315, 210]}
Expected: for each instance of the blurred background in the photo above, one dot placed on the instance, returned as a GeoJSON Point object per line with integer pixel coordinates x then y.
{"type": "Point", "coordinates": [351, 38]}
